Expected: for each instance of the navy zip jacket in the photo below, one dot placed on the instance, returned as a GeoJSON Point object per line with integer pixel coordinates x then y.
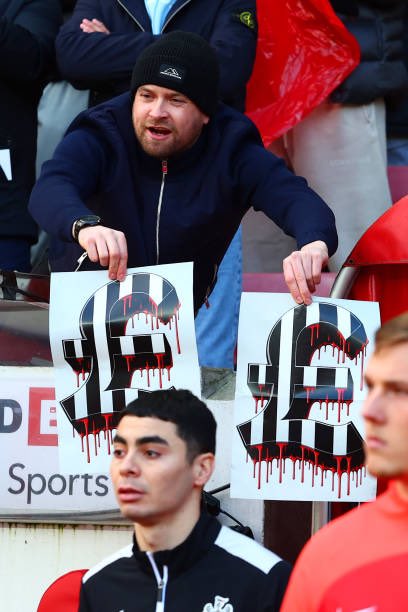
{"type": "Point", "coordinates": [215, 568]}
{"type": "Point", "coordinates": [99, 167]}
{"type": "Point", "coordinates": [378, 27]}
{"type": "Point", "coordinates": [104, 63]}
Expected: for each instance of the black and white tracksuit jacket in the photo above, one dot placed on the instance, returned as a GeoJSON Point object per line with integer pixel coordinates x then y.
{"type": "Point", "coordinates": [215, 569]}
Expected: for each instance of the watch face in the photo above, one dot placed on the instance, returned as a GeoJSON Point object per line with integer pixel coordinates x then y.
{"type": "Point", "coordinates": [89, 219]}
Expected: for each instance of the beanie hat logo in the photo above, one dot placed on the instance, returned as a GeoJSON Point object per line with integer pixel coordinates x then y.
{"type": "Point", "coordinates": [170, 71]}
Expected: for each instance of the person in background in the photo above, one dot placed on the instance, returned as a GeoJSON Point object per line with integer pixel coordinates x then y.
{"type": "Point", "coordinates": [181, 558]}
{"type": "Point", "coordinates": [340, 147]}
{"type": "Point", "coordinates": [97, 49]}
{"type": "Point", "coordinates": [27, 33]}
{"type": "Point", "coordinates": [359, 561]}
{"type": "Point", "coordinates": [397, 117]}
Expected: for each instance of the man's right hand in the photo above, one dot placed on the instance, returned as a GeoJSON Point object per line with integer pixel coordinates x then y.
{"type": "Point", "coordinates": [106, 246]}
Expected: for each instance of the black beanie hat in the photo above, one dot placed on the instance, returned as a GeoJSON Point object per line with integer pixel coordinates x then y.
{"type": "Point", "coordinates": [181, 61]}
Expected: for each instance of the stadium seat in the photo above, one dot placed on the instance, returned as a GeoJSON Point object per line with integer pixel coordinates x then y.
{"type": "Point", "coordinates": [63, 594]}
{"type": "Point", "coordinates": [377, 268]}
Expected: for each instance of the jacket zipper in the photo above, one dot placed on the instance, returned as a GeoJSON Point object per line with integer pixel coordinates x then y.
{"type": "Point", "coordinates": [161, 582]}
{"type": "Point", "coordinates": [174, 14]}
{"type": "Point", "coordinates": [159, 207]}
{"type": "Point", "coordinates": [164, 25]}
{"type": "Point", "coordinates": [130, 15]}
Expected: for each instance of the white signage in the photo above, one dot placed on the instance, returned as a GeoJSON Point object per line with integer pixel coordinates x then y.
{"type": "Point", "coordinates": [31, 482]}
{"type": "Point", "coordinates": [112, 341]}
{"type": "Point", "coordinates": [299, 389]}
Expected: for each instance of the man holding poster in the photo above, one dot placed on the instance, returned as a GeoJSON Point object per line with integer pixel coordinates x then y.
{"type": "Point", "coordinates": [181, 557]}
{"type": "Point", "coordinates": [166, 174]}
{"type": "Point", "coordinates": [359, 561]}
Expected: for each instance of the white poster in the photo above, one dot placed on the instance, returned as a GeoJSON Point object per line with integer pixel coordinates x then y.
{"type": "Point", "coordinates": [298, 432]}
{"type": "Point", "coordinates": [31, 484]}
{"type": "Point", "coordinates": [111, 341]}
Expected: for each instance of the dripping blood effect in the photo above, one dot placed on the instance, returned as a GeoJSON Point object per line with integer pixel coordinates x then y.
{"type": "Point", "coordinates": [314, 328]}
{"type": "Point", "coordinates": [362, 367]}
{"type": "Point", "coordinates": [348, 459]}
{"type": "Point", "coordinates": [281, 446]}
{"type": "Point", "coordinates": [308, 391]}
{"type": "Point", "coordinates": [256, 404]}
{"type": "Point", "coordinates": [127, 303]}
{"type": "Point", "coordinates": [85, 422]}
{"type": "Point", "coordinates": [267, 465]}
{"type": "Point", "coordinates": [177, 333]}
{"type": "Point", "coordinates": [315, 465]}
{"type": "Point", "coordinates": [259, 447]}
{"type": "Point", "coordinates": [338, 461]}
{"type": "Point", "coordinates": [108, 431]}
{"type": "Point", "coordinates": [159, 357]}
{"type": "Point", "coordinates": [340, 400]}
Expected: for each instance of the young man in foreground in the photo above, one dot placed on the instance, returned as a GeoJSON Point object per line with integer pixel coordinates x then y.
{"type": "Point", "coordinates": [181, 558]}
{"type": "Point", "coordinates": [359, 561]}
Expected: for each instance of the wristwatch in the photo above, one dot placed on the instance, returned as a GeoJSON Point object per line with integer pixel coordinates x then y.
{"type": "Point", "coordinates": [86, 221]}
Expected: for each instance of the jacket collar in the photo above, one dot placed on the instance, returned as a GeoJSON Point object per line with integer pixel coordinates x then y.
{"type": "Point", "coordinates": [179, 559]}
{"type": "Point", "coordinates": [137, 11]}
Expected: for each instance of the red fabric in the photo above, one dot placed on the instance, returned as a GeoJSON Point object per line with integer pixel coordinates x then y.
{"type": "Point", "coordinates": [385, 241]}
{"type": "Point", "coordinates": [63, 594]}
{"type": "Point", "coordinates": [304, 52]}
{"type": "Point", "coordinates": [357, 562]}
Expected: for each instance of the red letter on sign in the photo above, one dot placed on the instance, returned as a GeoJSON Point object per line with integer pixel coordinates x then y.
{"type": "Point", "coordinates": [37, 396]}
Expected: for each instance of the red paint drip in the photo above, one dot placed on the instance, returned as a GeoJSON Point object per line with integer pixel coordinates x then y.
{"type": "Point", "coordinates": [108, 431]}
{"type": "Point", "coordinates": [339, 473]}
{"type": "Point", "coordinates": [314, 328]}
{"type": "Point", "coordinates": [268, 465]}
{"type": "Point", "coordinates": [340, 400]}
{"type": "Point", "coordinates": [348, 459]}
{"type": "Point", "coordinates": [159, 357]}
{"type": "Point", "coordinates": [177, 332]}
{"type": "Point", "coordinates": [281, 447]}
{"type": "Point", "coordinates": [302, 479]}
{"type": "Point", "coordinates": [259, 447]}
{"type": "Point", "coordinates": [315, 466]}
{"type": "Point", "coordinates": [127, 303]}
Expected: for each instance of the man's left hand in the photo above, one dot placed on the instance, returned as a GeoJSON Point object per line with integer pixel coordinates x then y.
{"type": "Point", "coordinates": [302, 270]}
{"type": "Point", "coordinates": [90, 26]}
